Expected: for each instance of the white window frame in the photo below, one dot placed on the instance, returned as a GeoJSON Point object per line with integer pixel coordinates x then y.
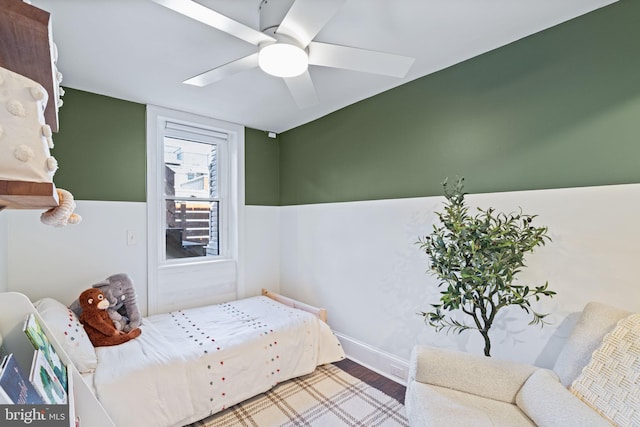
{"type": "Point", "coordinates": [204, 136]}
{"type": "Point", "coordinates": [206, 279]}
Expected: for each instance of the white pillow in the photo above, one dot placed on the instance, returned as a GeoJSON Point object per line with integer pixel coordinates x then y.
{"type": "Point", "coordinates": [610, 383]}
{"type": "Point", "coordinates": [595, 322]}
{"type": "Point", "coordinates": [69, 332]}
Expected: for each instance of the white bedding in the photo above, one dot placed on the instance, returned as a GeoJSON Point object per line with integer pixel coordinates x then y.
{"type": "Point", "coordinates": [192, 363]}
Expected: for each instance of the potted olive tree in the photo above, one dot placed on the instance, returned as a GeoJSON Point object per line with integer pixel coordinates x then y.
{"type": "Point", "coordinates": [476, 259]}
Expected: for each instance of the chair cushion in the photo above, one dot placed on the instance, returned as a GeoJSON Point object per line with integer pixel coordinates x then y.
{"type": "Point", "coordinates": [595, 322]}
{"type": "Point", "coordinates": [433, 406]}
{"type": "Point", "coordinates": [549, 404]}
{"type": "Point", "coordinates": [487, 377]}
{"type": "Point", "coordinates": [610, 383]}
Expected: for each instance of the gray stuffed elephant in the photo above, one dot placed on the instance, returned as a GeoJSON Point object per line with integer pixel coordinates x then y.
{"type": "Point", "coordinates": [123, 308]}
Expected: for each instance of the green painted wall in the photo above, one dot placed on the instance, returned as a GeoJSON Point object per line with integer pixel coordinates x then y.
{"type": "Point", "coordinates": [262, 166]}
{"type": "Point", "coordinates": [558, 109]}
{"type": "Point", "coordinates": [101, 148]}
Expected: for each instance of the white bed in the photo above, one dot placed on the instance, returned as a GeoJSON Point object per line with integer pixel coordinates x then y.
{"type": "Point", "coordinates": [192, 363]}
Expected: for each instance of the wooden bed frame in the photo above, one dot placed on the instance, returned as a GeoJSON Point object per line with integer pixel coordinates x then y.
{"type": "Point", "coordinates": [320, 313]}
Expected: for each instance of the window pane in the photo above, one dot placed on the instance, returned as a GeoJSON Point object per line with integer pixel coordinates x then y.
{"type": "Point", "coordinates": [190, 169]}
{"type": "Point", "coordinates": [192, 229]}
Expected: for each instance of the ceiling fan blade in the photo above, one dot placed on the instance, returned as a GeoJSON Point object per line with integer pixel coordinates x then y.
{"type": "Point", "coordinates": [216, 20]}
{"type": "Point", "coordinates": [352, 58]}
{"type": "Point", "coordinates": [306, 18]}
{"type": "Point", "coordinates": [223, 71]}
{"type": "Point", "coordinates": [302, 90]}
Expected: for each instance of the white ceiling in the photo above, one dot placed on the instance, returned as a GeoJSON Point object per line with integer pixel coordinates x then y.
{"type": "Point", "coordinates": [140, 51]}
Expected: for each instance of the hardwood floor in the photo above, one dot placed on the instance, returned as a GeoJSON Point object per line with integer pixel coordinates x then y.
{"type": "Point", "coordinates": [382, 383]}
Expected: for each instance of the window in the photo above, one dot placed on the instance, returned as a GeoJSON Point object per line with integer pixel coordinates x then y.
{"type": "Point", "coordinates": [191, 194]}
{"type": "Point", "coordinates": [194, 200]}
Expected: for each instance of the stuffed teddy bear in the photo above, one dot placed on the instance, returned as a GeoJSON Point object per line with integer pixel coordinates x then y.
{"type": "Point", "coordinates": [97, 322]}
{"type": "Point", "coordinates": [123, 308]}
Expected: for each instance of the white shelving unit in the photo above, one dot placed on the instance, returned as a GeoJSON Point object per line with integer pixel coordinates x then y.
{"type": "Point", "coordinates": [14, 309]}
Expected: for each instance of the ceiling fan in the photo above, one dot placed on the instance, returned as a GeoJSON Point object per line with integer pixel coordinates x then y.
{"type": "Point", "coordinates": [286, 47]}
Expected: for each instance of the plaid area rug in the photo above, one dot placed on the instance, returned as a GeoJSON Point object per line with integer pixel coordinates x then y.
{"type": "Point", "coordinates": [328, 397]}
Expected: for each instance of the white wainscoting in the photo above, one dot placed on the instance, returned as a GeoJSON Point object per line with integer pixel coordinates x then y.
{"type": "Point", "coordinates": [193, 285]}
{"type": "Point", "coordinates": [360, 261]}
{"type": "Point", "coordinates": [261, 255]}
{"type": "Point", "coordinates": [45, 261]}
{"type": "Point", "coordinates": [40, 260]}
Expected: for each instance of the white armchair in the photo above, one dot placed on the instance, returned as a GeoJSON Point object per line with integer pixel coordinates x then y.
{"type": "Point", "coordinates": [450, 388]}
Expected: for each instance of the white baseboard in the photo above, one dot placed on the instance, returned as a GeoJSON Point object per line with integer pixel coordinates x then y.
{"type": "Point", "coordinates": [386, 364]}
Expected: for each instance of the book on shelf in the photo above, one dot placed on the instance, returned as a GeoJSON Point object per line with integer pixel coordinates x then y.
{"type": "Point", "coordinates": [15, 387]}
{"type": "Point", "coordinates": [45, 380]}
{"type": "Point", "coordinates": [39, 339]}
{"type": "Point", "coordinates": [3, 351]}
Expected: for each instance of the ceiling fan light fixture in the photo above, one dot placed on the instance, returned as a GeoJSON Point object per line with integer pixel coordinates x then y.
{"type": "Point", "coordinates": [283, 60]}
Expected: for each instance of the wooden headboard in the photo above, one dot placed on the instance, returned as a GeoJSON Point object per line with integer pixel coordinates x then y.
{"type": "Point", "coordinates": [321, 313]}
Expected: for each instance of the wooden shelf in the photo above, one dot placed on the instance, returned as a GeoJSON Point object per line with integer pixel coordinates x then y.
{"type": "Point", "coordinates": [27, 195]}
{"type": "Point", "coordinates": [26, 49]}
